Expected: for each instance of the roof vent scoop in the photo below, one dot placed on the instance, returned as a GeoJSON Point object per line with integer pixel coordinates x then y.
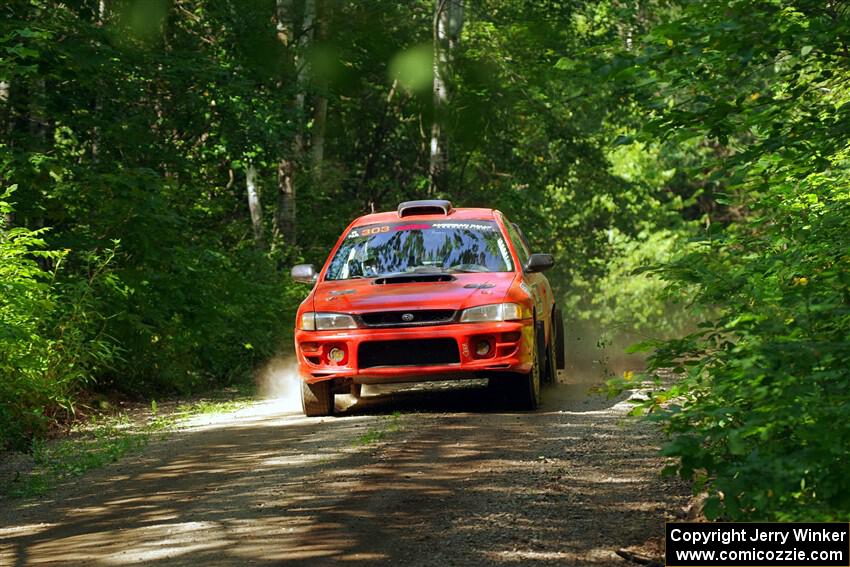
{"type": "Point", "coordinates": [427, 207]}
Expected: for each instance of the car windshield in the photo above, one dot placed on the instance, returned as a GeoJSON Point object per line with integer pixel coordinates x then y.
{"type": "Point", "coordinates": [420, 247]}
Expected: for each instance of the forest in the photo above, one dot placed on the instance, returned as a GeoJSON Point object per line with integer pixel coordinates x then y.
{"type": "Point", "coordinates": [163, 163]}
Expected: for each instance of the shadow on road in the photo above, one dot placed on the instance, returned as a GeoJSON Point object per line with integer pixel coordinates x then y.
{"type": "Point", "coordinates": [461, 482]}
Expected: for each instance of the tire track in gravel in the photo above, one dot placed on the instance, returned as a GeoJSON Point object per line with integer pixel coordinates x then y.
{"type": "Point", "coordinates": [462, 482]}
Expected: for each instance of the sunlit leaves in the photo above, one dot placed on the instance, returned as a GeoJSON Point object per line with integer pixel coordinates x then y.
{"type": "Point", "coordinates": [769, 407]}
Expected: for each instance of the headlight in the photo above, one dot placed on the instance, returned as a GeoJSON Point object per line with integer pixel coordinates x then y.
{"type": "Point", "coordinates": [326, 321]}
{"type": "Point", "coordinates": [496, 312]}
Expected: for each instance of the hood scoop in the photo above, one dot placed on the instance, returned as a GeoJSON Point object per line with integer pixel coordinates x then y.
{"type": "Point", "coordinates": [414, 278]}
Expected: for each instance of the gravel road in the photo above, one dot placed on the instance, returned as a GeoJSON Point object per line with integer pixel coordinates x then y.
{"type": "Point", "coordinates": [431, 476]}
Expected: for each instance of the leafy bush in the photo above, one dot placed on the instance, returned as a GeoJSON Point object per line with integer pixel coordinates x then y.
{"type": "Point", "coordinates": [25, 297]}
{"type": "Point", "coordinates": [762, 416]}
{"type": "Point", "coordinates": [200, 318]}
{"type": "Point", "coordinates": [760, 420]}
{"type": "Point", "coordinates": [50, 340]}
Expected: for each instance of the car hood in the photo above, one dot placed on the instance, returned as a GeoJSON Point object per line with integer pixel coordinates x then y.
{"type": "Point", "coordinates": [364, 295]}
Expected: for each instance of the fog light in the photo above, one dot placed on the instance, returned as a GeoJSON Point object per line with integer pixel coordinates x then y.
{"type": "Point", "coordinates": [482, 348]}
{"type": "Point", "coordinates": [336, 355]}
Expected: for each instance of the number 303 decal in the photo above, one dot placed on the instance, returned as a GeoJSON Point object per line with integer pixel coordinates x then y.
{"type": "Point", "coordinates": [375, 230]}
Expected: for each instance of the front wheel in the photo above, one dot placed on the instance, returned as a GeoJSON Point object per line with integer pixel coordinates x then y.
{"type": "Point", "coordinates": [549, 370]}
{"type": "Point", "coordinates": [317, 399]}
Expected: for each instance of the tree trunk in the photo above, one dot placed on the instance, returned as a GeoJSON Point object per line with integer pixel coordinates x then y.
{"type": "Point", "coordinates": [5, 115]}
{"type": "Point", "coordinates": [102, 14]}
{"type": "Point", "coordinates": [284, 214]}
{"type": "Point", "coordinates": [305, 39]}
{"type": "Point", "coordinates": [7, 221]}
{"type": "Point", "coordinates": [39, 122]}
{"type": "Point", "coordinates": [320, 114]}
{"type": "Point", "coordinates": [289, 33]}
{"type": "Point", "coordinates": [284, 220]}
{"type": "Point", "coordinates": [254, 205]}
{"type": "Point", "coordinates": [448, 23]}
{"type": "Point", "coordinates": [320, 108]}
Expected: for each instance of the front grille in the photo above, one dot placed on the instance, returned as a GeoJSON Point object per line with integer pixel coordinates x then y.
{"type": "Point", "coordinates": [420, 352]}
{"type": "Point", "coordinates": [407, 318]}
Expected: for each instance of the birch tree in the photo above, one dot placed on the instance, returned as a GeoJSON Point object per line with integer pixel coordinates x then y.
{"type": "Point", "coordinates": [4, 106]}
{"type": "Point", "coordinates": [447, 25]}
{"type": "Point", "coordinates": [7, 218]}
{"type": "Point", "coordinates": [101, 16]}
{"type": "Point", "coordinates": [254, 205]}
{"type": "Point", "coordinates": [320, 108]}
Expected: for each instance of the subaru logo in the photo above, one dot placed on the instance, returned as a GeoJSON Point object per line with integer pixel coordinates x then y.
{"type": "Point", "coordinates": [407, 317]}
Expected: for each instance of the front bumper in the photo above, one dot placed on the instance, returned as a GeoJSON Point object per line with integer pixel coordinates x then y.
{"type": "Point", "coordinates": [510, 341]}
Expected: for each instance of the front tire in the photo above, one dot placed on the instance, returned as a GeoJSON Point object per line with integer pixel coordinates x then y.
{"type": "Point", "coordinates": [317, 400]}
{"type": "Point", "coordinates": [549, 372]}
{"type": "Point", "coordinates": [560, 343]}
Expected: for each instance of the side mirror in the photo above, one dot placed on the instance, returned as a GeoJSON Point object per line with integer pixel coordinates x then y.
{"type": "Point", "coordinates": [539, 263]}
{"type": "Point", "coordinates": [304, 273]}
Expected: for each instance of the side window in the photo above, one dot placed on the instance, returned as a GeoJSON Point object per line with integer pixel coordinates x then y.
{"type": "Point", "coordinates": [518, 240]}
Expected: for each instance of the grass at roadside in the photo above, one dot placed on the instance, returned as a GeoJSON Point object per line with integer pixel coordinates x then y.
{"type": "Point", "coordinates": [387, 424]}
{"type": "Point", "coordinates": [105, 438]}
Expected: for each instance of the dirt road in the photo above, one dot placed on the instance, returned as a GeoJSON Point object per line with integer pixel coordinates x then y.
{"type": "Point", "coordinates": [451, 479]}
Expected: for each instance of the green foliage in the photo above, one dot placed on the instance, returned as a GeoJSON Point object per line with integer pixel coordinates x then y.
{"type": "Point", "coordinates": [127, 134]}
{"type": "Point", "coordinates": [628, 300]}
{"type": "Point", "coordinates": [760, 420]}
{"type": "Point", "coordinates": [50, 333]}
{"type": "Point", "coordinates": [25, 297]}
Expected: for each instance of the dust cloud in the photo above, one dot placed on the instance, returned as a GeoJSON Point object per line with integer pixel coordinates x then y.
{"type": "Point", "coordinates": [595, 353]}
{"type": "Point", "coordinates": [278, 382]}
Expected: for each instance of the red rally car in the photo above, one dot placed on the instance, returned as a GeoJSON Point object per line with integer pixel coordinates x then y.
{"type": "Point", "coordinates": [427, 292]}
